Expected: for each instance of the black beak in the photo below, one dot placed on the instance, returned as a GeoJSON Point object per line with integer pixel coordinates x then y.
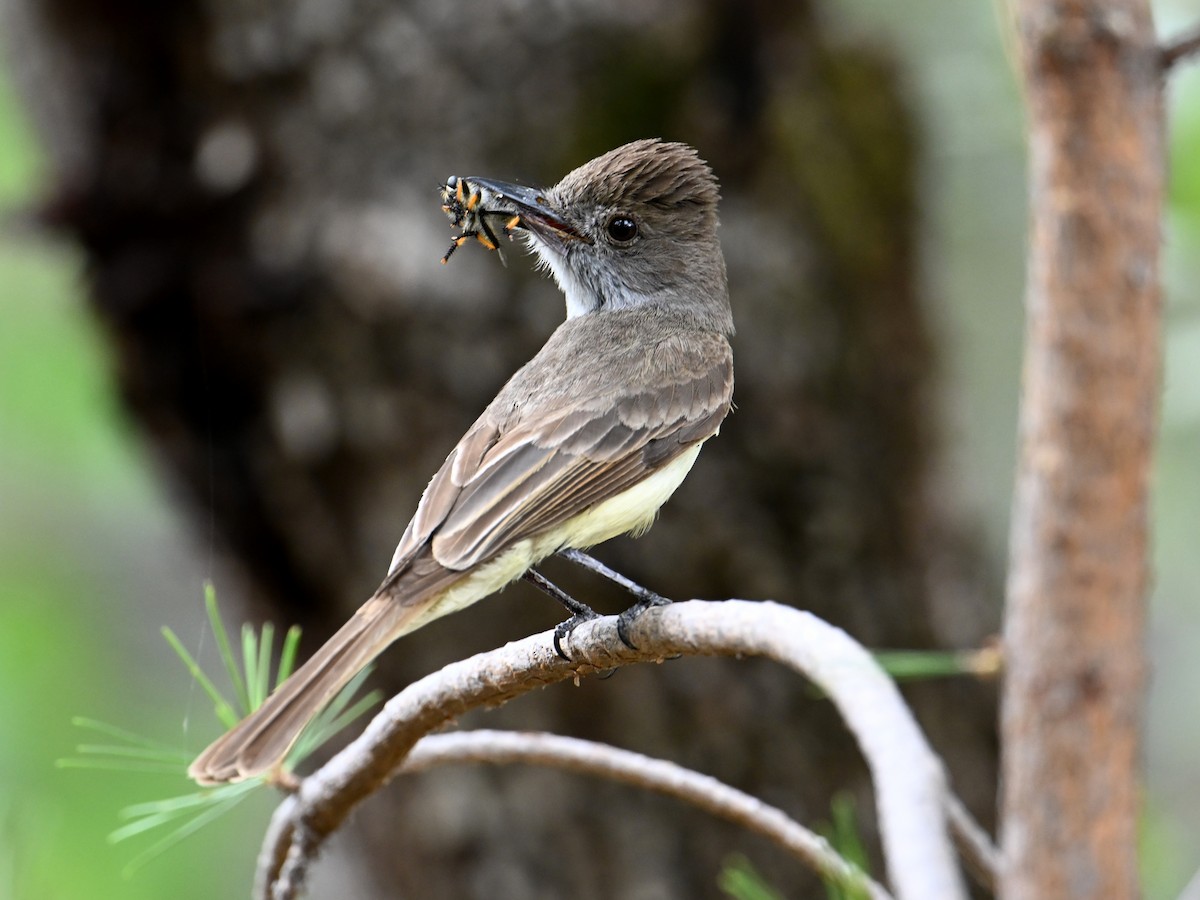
{"type": "Point", "coordinates": [536, 213]}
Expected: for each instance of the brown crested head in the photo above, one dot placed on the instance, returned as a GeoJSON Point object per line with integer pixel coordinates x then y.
{"type": "Point", "coordinates": [663, 180]}
{"type": "Point", "coordinates": [637, 228]}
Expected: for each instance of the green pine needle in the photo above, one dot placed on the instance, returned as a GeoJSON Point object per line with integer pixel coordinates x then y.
{"type": "Point", "coordinates": [170, 804]}
{"type": "Point", "coordinates": [223, 645]}
{"type": "Point", "coordinates": [251, 679]}
{"type": "Point", "coordinates": [741, 881]}
{"type": "Point", "coordinates": [332, 719]}
{"type": "Point", "coordinates": [117, 765]}
{"type": "Point", "coordinates": [224, 711]}
{"type": "Point", "coordinates": [266, 643]}
{"type": "Point", "coordinates": [913, 664]}
{"type": "Point", "coordinates": [842, 834]}
{"type": "Point", "coordinates": [134, 754]}
{"type": "Point", "coordinates": [122, 735]}
{"type": "Point", "coordinates": [287, 656]}
{"type": "Point", "coordinates": [250, 663]}
{"type": "Point", "coordinates": [131, 752]}
{"type": "Point", "coordinates": [227, 797]}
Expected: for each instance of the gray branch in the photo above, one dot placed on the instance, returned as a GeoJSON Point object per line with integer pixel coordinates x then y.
{"type": "Point", "coordinates": [910, 786]}
{"type": "Point", "coordinates": [1181, 48]}
{"type": "Point", "coordinates": [974, 844]}
{"type": "Point", "coordinates": [639, 770]}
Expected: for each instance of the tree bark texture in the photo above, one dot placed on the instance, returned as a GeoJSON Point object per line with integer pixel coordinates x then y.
{"type": "Point", "coordinates": [1074, 632]}
{"type": "Point", "coordinates": [255, 188]}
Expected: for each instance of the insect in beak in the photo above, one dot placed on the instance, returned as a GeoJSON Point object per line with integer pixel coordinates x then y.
{"type": "Point", "coordinates": [484, 209]}
{"type": "Point", "coordinates": [479, 214]}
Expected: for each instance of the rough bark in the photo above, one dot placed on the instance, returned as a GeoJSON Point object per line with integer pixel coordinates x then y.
{"type": "Point", "coordinates": [255, 187]}
{"type": "Point", "coordinates": [1074, 630]}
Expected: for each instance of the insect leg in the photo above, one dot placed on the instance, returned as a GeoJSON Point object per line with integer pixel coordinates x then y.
{"type": "Point", "coordinates": [455, 243]}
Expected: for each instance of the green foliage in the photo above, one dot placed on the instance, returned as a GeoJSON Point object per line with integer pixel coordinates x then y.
{"type": "Point", "coordinates": [252, 682]}
{"type": "Point", "coordinates": [133, 753]}
{"type": "Point", "coordinates": [741, 881]}
{"type": "Point", "coordinates": [842, 834]}
{"type": "Point", "coordinates": [912, 665]}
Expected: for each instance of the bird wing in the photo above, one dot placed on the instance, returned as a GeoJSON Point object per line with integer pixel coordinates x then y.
{"type": "Point", "coordinates": [501, 485]}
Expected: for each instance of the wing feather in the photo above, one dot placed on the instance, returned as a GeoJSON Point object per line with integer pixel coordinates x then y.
{"type": "Point", "coordinates": [504, 484]}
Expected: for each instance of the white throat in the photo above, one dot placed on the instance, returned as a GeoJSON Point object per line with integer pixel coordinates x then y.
{"type": "Point", "coordinates": [580, 297]}
{"type": "Point", "coordinates": [584, 294]}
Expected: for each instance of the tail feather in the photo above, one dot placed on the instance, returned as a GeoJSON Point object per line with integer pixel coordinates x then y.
{"type": "Point", "coordinates": [262, 740]}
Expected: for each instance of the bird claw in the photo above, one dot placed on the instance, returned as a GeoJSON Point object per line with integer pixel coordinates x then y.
{"type": "Point", "coordinates": [564, 629]}
{"type": "Point", "coordinates": [627, 618]}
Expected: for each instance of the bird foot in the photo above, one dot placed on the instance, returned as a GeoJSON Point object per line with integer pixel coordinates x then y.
{"type": "Point", "coordinates": [627, 618]}
{"type": "Point", "coordinates": [564, 629]}
{"type": "Point", "coordinates": [646, 598]}
{"type": "Point", "coordinates": [580, 612]}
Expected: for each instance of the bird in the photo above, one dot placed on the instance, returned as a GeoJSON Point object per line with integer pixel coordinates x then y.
{"type": "Point", "coordinates": [585, 441]}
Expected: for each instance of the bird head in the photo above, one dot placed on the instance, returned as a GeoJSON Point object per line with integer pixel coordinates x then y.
{"type": "Point", "coordinates": [636, 227]}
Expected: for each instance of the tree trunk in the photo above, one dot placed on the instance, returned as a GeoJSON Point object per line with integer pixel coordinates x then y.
{"type": "Point", "coordinates": [1077, 593]}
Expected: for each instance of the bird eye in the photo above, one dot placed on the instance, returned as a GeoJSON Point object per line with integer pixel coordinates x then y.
{"type": "Point", "coordinates": [622, 229]}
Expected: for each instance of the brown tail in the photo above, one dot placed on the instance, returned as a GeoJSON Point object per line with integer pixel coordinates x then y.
{"type": "Point", "coordinates": [261, 741]}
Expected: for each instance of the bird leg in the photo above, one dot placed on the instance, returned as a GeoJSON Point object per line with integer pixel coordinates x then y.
{"type": "Point", "coordinates": [580, 612]}
{"type": "Point", "coordinates": [646, 598]}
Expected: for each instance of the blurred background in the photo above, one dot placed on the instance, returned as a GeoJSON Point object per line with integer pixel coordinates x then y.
{"type": "Point", "coordinates": [220, 294]}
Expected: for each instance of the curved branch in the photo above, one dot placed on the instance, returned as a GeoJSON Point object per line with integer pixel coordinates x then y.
{"type": "Point", "coordinates": [658, 775]}
{"type": "Point", "coordinates": [908, 777]}
{"type": "Point", "coordinates": [1180, 48]}
{"type": "Point", "coordinates": [974, 844]}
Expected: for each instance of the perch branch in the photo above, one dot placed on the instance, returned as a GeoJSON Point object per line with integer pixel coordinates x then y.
{"type": "Point", "coordinates": [638, 770]}
{"type": "Point", "coordinates": [909, 781]}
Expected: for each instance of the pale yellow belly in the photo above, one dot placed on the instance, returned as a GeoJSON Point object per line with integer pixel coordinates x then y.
{"type": "Point", "coordinates": [631, 511]}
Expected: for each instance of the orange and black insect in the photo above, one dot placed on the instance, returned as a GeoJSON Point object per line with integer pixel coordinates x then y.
{"type": "Point", "coordinates": [477, 212]}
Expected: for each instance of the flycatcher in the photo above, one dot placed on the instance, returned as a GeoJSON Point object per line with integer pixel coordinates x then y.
{"type": "Point", "coordinates": [585, 442]}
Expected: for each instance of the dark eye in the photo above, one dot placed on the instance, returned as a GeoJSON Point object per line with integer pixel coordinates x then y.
{"type": "Point", "coordinates": [622, 229]}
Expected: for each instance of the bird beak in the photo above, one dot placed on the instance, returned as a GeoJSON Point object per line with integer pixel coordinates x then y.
{"type": "Point", "coordinates": [536, 214]}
